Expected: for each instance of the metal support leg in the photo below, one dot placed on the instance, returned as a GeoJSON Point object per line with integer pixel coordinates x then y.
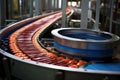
{"type": "Point", "coordinates": [46, 4]}
{"type": "Point", "coordinates": [54, 5]}
{"type": "Point", "coordinates": [2, 13]}
{"type": "Point", "coordinates": [6, 68]}
{"type": "Point", "coordinates": [57, 4]}
{"type": "Point", "coordinates": [96, 26]}
{"type": "Point", "coordinates": [64, 13]}
{"type": "Point", "coordinates": [111, 14]}
{"type": "Point", "coordinates": [84, 14]}
{"type": "Point", "coordinates": [38, 9]}
{"type": "Point", "coordinates": [11, 9]}
{"type": "Point", "coordinates": [31, 8]}
{"type": "Point", "coordinates": [49, 5]}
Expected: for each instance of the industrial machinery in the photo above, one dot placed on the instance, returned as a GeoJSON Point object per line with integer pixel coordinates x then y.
{"type": "Point", "coordinates": [29, 54]}
{"type": "Point", "coordinates": [39, 48]}
{"type": "Point", "coordinates": [86, 44]}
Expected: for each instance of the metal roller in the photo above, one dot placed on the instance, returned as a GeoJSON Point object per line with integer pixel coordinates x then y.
{"type": "Point", "coordinates": [84, 43]}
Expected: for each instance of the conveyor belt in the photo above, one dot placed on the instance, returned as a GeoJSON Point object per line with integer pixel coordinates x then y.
{"type": "Point", "coordinates": [23, 43]}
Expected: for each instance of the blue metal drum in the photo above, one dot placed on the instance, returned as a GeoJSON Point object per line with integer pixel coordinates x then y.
{"type": "Point", "coordinates": [86, 44]}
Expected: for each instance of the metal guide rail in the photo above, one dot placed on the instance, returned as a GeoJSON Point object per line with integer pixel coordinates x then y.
{"type": "Point", "coordinates": [26, 37]}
